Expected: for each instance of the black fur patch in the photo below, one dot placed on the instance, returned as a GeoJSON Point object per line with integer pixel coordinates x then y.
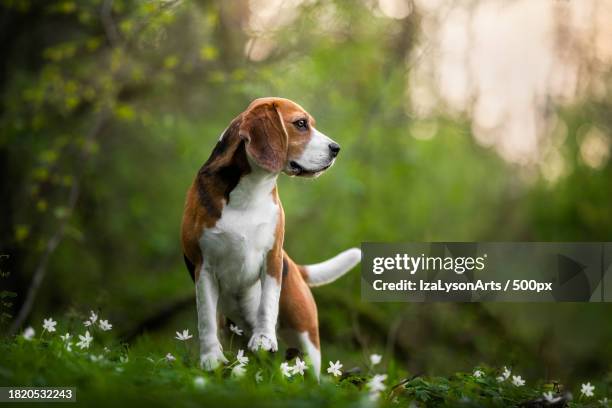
{"type": "Point", "coordinates": [206, 200]}
{"type": "Point", "coordinates": [285, 267]}
{"type": "Point", "coordinates": [215, 178]}
{"type": "Point", "coordinates": [223, 143]}
{"type": "Point", "coordinates": [190, 267]}
{"type": "Point", "coordinates": [230, 175]}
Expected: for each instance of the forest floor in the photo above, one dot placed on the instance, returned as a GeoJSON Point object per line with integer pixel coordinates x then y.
{"type": "Point", "coordinates": [105, 373]}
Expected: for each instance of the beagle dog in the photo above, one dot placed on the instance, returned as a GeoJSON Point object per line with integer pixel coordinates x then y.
{"type": "Point", "coordinates": [233, 229]}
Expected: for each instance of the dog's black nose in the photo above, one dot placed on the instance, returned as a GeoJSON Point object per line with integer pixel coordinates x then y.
{"type": "Point", "coordinates": [334, 148]}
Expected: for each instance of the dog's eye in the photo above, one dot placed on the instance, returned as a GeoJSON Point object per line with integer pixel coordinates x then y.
{"type": "Point", "coordinates": [301, 124]}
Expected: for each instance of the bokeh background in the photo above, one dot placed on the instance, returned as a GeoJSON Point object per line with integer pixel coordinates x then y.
{"type": "Point", "coordinates": [459, 120]}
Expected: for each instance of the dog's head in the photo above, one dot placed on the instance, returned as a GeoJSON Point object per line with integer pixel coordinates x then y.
{"type": "Point", "coordinates": [279, 135]}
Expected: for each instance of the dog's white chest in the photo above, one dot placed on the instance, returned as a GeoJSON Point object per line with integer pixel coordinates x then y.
{"type": "Point", "coordinates": [236, 247]}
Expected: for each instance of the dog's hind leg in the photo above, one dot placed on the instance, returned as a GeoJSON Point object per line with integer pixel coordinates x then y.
{"type": "Point", "coordinates": [304, 344]}
{"type": "Point", "coordinates": [311, 347]}
{"type": "Point", "coordinates": [298, 315]}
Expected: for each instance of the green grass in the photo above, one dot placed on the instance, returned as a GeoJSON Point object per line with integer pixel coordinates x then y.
{"type": "Point", "coordinates": [110, 373]}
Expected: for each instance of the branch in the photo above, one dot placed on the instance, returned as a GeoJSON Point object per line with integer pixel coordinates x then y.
{"type": "Point", "coordinates": [106, 16]}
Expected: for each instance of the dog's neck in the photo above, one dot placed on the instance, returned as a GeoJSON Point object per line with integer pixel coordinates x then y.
{"type": "Point", "coordinates": [230, 176]}
{"type": "Point", "coordinates": [253, 187]}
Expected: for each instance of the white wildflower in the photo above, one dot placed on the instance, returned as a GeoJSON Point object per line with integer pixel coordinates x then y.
{"type": "Point", "coordinates": [49, 325]}
{"type": "Point", "coordinates": [123, 359]}
{"type": "Point", "coordinates": [604, 402]}
{"type": "Point", "coordinates": [478, 374]}
{"type": "Point", "coordinates": [550, 397]}
{"type": "Point", "coordinates": [504, 375]}
{"type": "Point", "coordinates": [105, 325]}
{"type": "Point", "coordinates": [93, 318]}
{"type": "Point", "coordinates": [286, 369]}
{"type": "Point", "coordinates": [242, 359]}
{"type": "Point", "coordinates": [66, 337]}
{"type": "Point", "coordinates": [334, 368]}
{"type": "Point", "coordinates": [84, 341]}
{"type": "Point", "coordinates": [259, 376]}
{"type": "Point", "coordinates": [199, 381]}
{"type": "Point", "coordinates": [29, 333]}
{"type": "Point", "coordinates": [236, 330]}
{"type": "Point", "coordinates": [374, 396]}
{"type": "Point", "coordinates": [299, 366]}
{"type": "Point", "coordinates": [518, 381]}
{"type": "Point", "coordinates": [170, 358]}
{"type": "Point", "coordinates": [375, 359]}
{"type": "Point", "coordinates": [238, 371]}
{"type": "Point", "coordinates": [376, 384]}
{"type": "Point", "coordinates": [97, 358]}
{"type": "Point", "coordinates": [183, 336]}
{"type": "Point", "coordinates": [587, 389]}
{"type": "Point", "coordinates": [69, 346]}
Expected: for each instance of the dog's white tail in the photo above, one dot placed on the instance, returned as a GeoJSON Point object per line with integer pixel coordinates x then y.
{"type": "Point", "coordinates": [330, 270]}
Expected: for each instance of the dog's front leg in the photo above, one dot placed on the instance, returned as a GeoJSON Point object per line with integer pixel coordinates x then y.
{"type": "Point", "coordinates": [207, 296]}
{"type": "Point", "coordinates": [264, 332]}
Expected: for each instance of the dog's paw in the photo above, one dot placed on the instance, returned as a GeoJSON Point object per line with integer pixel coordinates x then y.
{"type": "Point", "coordinates": [212, 359]}
{"type": "Point", "coordinates": [263, 341]}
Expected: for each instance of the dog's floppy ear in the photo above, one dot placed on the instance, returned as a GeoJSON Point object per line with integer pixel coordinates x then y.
{"type": "Point", "coordinates": [265, 136]}
{"type": "Point", "coordinates": [225, 149]}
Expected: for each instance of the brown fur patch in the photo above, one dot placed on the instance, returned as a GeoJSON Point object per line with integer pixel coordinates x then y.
{"type": "Point", "coordinates": [275, 263]}
{"type": "Point", "coordinates": [263, 131]}
{"type": "Point", "coordinates": [289, 112]}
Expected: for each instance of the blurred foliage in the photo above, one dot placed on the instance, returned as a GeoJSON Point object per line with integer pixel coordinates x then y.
{"type": "Point", "coordinates": [6, 296]}
{"type": "Point", "coordinates": [126, 99]}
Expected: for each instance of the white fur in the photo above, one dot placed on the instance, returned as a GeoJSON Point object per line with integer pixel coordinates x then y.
{"type": "Point", "coordinates": [207, 295]}
{"type": "Point", "coordinates": [264, 332]}
{"type": "Point", "coordinates": [330, 270]}
{"type": "Point", "coordinates": [234, 253]}
{"type": "Point", "coordinates": [312, 352]}
{"type": "Point", "coordinates": [222, 134]}
{"type": "Point", "coordinates": [316, 155]}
